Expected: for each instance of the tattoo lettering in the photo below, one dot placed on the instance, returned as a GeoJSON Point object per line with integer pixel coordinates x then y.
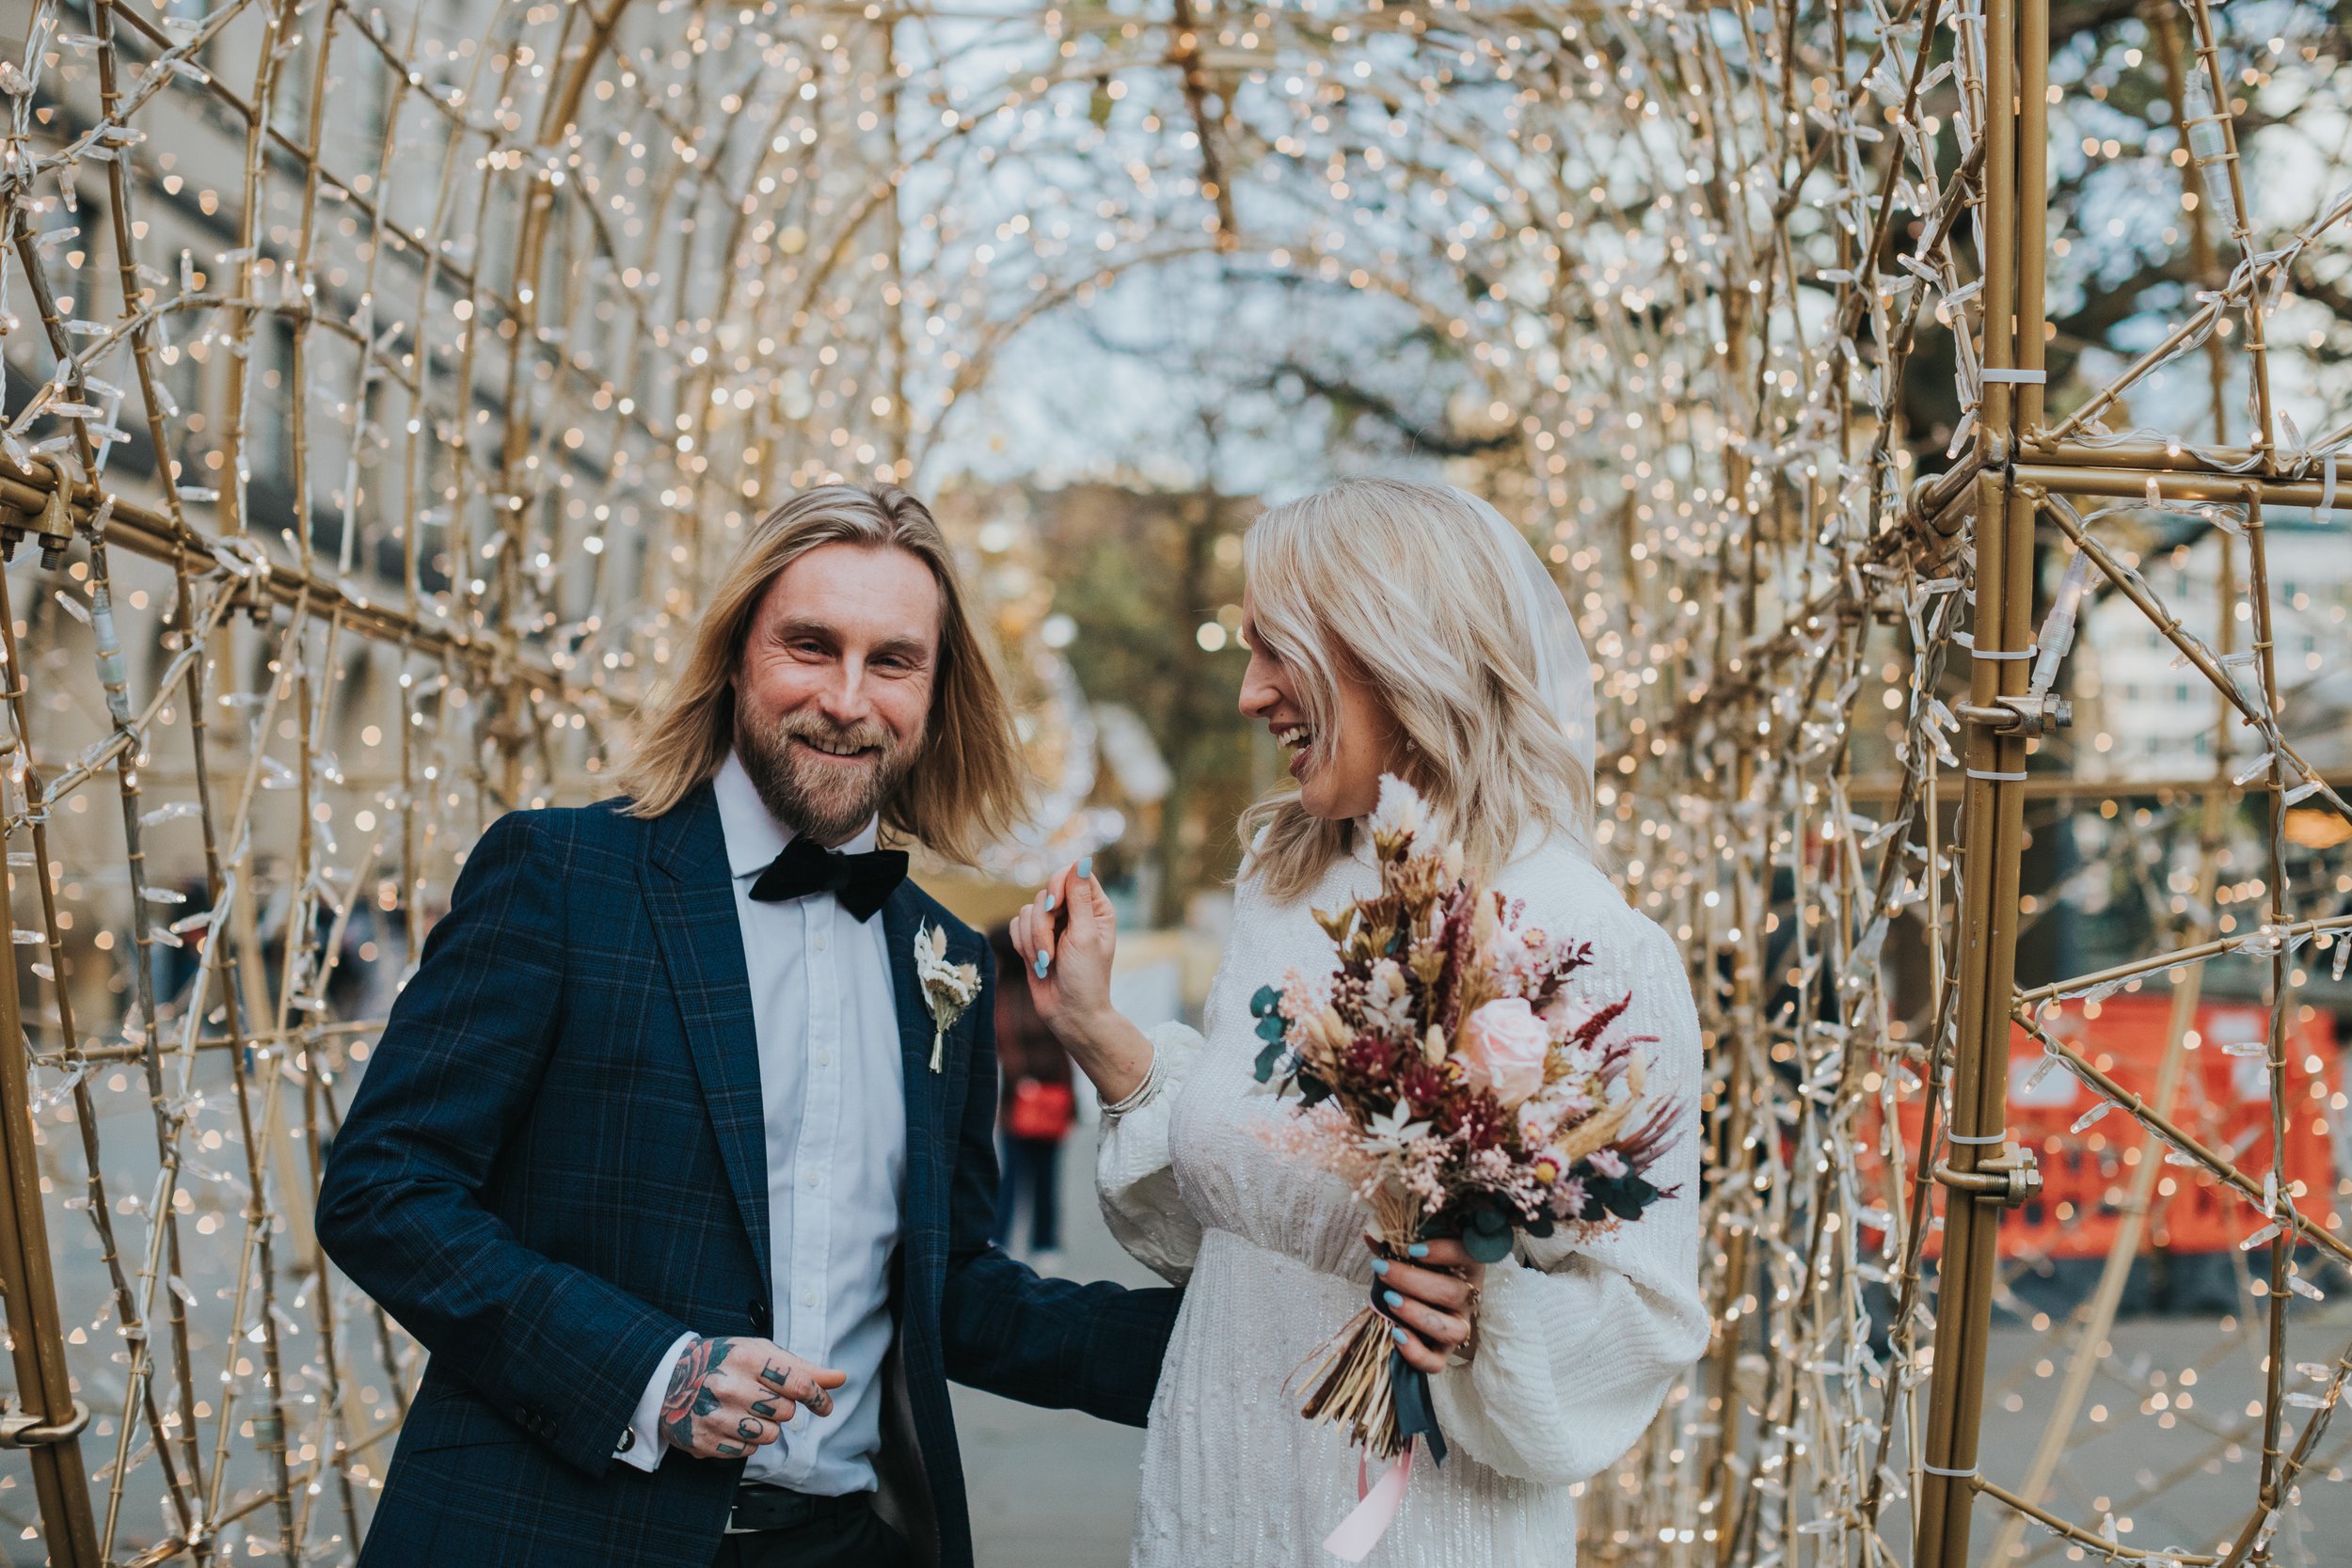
{"type": "Point", "coordinates": [730, 1450]}
{"type": "Point", "coordinates": [688, 1395]}
{"type": "Point", "coordinates": [766, 1408]}
{"type": "Point", "coordinates": [818, 1399]}
{"type": "Point", "coordinates": [749, 1428]}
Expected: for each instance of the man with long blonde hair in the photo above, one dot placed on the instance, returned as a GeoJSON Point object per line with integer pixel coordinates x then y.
{"type": "Point", "coordinates": [677, 1153]}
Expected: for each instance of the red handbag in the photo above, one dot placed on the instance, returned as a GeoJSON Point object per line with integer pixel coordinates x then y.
{"type": "Point", "coordinates": [1042, 1111]}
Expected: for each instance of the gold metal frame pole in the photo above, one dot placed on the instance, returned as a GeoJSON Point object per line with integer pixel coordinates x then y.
{"type": "Point", "coordinates": [47, 1421]}
{"type": "Point", "coordinates": [1992, 809]}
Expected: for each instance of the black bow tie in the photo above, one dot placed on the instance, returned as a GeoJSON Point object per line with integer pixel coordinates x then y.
{"type": "Point", "coordinates": [862, 882]}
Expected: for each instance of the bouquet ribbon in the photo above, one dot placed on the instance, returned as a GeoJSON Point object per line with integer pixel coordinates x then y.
{"type": "Point", "coordinates": [1376, 1502]}
{"type": "Point", "coordinates": [1415, 1416]}
{"type": "Point", "coordinates": [1375, 1510]}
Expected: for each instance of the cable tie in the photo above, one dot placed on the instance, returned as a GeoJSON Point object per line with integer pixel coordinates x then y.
{"type": "Point", "coordinates": [1957, 1475]}
{"type": "Point", "coordinates": [2000, 1138]}
{"type": "Point", "coordinates": [2026, 652]}
{"type": "Point", "coordinates": [1996, 778]}
{"type": "Point", "coordinates": [2015, 379]}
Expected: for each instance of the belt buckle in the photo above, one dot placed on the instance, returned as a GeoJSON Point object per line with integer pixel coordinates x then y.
{"type": "Point", "coordinates": [733, 1510]}
{"type": "Point", "coordinates": [786, 1499]}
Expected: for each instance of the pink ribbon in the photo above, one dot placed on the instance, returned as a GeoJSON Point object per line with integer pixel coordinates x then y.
{"type": "Point", "coordinates": [1375, 1510]}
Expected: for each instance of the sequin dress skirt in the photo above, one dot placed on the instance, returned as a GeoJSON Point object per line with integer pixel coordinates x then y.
{"type": "Point", "coordinates": [1234, 1478]}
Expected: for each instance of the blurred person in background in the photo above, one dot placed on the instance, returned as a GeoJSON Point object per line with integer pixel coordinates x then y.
{"type": "Point", "coordinates": [1037, 1112]}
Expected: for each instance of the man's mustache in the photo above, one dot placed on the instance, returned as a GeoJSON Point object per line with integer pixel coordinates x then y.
{"type": "Point", "coordinates": [830, 736]}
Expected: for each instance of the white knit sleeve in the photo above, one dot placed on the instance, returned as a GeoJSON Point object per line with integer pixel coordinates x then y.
{"type": "Point", "coordinates": [1132, 1177]}
{"type": "Point", "coordinates": [1582, 1336]}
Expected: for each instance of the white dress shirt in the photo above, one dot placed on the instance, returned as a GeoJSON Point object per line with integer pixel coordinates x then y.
{"type": "Point", "coordinates": [832, 1085]}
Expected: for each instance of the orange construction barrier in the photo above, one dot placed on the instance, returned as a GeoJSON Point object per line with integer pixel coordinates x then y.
{"type": "Point", "coordinates": [2223, 1101]}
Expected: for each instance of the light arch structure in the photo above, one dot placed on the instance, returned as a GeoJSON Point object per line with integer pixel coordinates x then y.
{"type": "Point", "coordinates": [385, 382]}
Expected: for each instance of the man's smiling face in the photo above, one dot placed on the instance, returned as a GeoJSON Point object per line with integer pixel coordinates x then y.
{"type": "Point", "coordinates": [834, 686]}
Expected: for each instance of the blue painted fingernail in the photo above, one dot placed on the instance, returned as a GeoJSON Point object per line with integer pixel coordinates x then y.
{"type": "Point", "coordinates": [1086, 868]}
{"type": "Point", "coordinates": [1392, 1298]}
{"type": "Point", "coordinates": [1049, 903]}
{"type": "Point", "coordinates": [1380, 1265]}
{"type": "Point", "coordinates": [1418, 1249]}
{"type": "Point", "coordinates": [1044, 962]}
{"type": "Point", "coordinates": [1400, 1336]}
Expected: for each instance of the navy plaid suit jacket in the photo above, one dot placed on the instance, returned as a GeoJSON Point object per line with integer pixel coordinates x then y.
{"type": "Point", "coordinates": [555, 1164]}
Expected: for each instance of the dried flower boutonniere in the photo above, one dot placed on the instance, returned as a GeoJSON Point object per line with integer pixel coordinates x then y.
{"type": "Point", "coordinates": [947, 988]}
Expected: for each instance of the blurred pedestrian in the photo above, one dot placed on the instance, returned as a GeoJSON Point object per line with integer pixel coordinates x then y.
{"type": "Point", "coordinates": [1037, 1110]}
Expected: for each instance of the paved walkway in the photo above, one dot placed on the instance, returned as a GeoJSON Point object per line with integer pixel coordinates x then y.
{"type": "Point", "coordinates": [1053, 1488]}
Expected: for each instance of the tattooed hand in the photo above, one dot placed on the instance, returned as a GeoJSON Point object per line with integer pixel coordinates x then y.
{"type": "Point", "coordinates": [729, 1396]}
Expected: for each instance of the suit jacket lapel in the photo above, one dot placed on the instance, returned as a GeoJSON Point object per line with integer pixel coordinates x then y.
{"type": "Point", "coordinates": [690, 896]}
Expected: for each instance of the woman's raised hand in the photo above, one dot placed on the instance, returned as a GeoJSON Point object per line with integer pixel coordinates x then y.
{"type": "Point", "coordinates": [1067, 936]}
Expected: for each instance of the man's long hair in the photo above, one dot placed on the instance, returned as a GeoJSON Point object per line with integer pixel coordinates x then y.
{"type": "Point", "coordinates": [968, 785]}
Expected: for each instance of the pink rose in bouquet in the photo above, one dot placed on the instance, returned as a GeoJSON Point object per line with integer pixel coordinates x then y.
{"type": "Point", "coordinates": [1504, 1048]}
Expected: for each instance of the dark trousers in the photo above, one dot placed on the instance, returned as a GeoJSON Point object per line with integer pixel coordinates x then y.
{"type": "Point", "coordinates": [858, 1539]}
{"type": "Point", "coordinates": [1031, 1167]}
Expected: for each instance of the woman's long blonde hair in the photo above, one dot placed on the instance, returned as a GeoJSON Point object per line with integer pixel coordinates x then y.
{"type": "Point", "coordinates": [1406, 587]}
{"type": "Point", "coordinates": [966, 787]}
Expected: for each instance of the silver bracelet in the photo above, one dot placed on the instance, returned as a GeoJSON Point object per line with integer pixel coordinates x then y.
{"type": "Point", "coordinates": [1143, 1094]}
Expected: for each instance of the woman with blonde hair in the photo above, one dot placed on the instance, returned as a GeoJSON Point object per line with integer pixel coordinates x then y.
{"type": "Point", "coordinates": [1405, 629]}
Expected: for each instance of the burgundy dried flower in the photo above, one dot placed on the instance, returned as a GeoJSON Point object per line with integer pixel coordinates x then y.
{"type": "Point", "coordinates": [1478, 1119]}
{"type": "Point", "coordinates": [1370, 1056]}
{"type": "Point", "coordinates": [1590, 1030]}
{"type": "Point", "coordinates": [1423, 1085]}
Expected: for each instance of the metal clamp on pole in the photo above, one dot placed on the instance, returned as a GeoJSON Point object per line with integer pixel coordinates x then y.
{"type": "Point", "coordinates": [53, 525]}
{"type": "Point", "coordinates": [2031, 714]}
{"type": "Point", "coordinates": [2010, 1179]}
{"type": "Point", "coordinates": [22, 1429]}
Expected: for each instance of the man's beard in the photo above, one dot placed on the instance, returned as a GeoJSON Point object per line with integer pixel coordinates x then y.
{"type": "Point", "coordinates": [831, 802]}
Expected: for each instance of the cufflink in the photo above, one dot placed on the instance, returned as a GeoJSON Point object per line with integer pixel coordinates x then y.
{"type": "Point", "coordinates": [629, 1441]}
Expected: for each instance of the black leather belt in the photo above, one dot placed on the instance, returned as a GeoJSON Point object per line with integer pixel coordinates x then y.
{"type": "Point", "coordinates": [760, 1508]}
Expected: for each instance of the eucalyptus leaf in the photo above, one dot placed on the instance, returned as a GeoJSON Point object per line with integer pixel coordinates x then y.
{"type": "Point", "coordinates": [1488, 1246]}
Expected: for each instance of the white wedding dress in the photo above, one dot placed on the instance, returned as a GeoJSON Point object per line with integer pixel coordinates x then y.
{"type": "Point", "coordinates": [1579, 1338]}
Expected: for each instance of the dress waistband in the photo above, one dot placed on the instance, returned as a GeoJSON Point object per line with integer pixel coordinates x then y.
{"type": "Point", "coordinates": [1302, 1272]}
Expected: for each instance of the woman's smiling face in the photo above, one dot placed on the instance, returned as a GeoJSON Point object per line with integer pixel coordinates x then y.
{"type": "Point", "coordinates": [1337, 773]}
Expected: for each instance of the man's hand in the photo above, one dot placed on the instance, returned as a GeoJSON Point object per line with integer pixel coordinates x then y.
{"type": "Point", "coordinates": [729, 1396]}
